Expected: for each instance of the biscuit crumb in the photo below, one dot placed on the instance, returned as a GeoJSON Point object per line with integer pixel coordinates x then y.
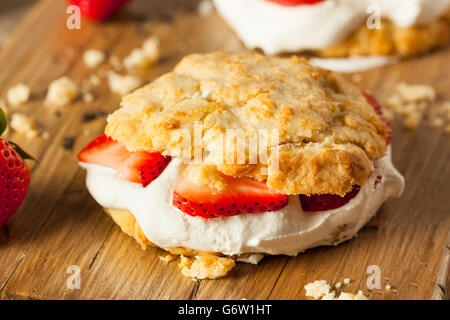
{"type": "Point", "coordinates": [115, 63]}
{"type": "Point", "coordinates": [61, 92]}
{"type": "Point", "coordinates": [205, 267]}
{"type": "Point", "coordinates": [350, 296]}
{"type": "Point", "coordinates": [347, 280]}
{"type": "Point", "coordinates": [320, 289]}
{"type": "Point", "coordinates": [317, 289]}
{"type": "Point", "coordinates": [93, 58]}
{"type": "Point", "coordinates": [23, 125]}
{"type": "Point", "coordinates": [94, 80]}
{"type": "Point", "coordinates": [167, 258]}
{"type": "Point", "coordinates": [205, 8]}
{"type": "Point", "coordinates": [144, 57]}
{"type": "Point", "coordinates": [18, 94]}
{"type": "Point", "coordinates": [123, 84]}
{"type": "Point", "coordinates": [410, 102]}
{"type": "Point", "coordinates": [338, 285]}
{"type": "Point", "coordinates": [388, 287]}
{"type": "Point", "coordinates": [88, 97]}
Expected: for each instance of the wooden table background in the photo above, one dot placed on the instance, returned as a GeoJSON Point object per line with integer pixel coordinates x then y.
{"type": "Point", "coordinates": [60, 225]}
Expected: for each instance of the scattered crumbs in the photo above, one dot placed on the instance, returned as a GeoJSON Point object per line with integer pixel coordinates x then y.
{"type": "Point", "coordinates": [205, 8]}
{"type": "Point", "coordinates": [320, 289]}
{"type": "Point", "coordinates": [93, 58]}
{"type": "Point", "coordinates": [167, 258]}
{"type": "Point", "coordinates": [115, 63]}
{"type": "Point", "coordinates": [46, 135]}
{"type": "Point", "coordinates": [23, 125]}
{"type": "Point", "coordinates": [347, 280]}
{"type": "Point", "coordinates": [123, 84]}
{"type": "Point", "coordinates": [338, 285]}
{"type": "Point", "coordinates": [18, 94]}
{"type": "Point", "coordinates": [87, 132]}
{"type": "Point", "coordinates": [68, 143]}
{"type": "Point", "coordinates": [410, 102]}
{"type": "Point", "coordinates": [143, 57]}
{"type": "Point", "coordinates": [388, 287]}
{"type": "Point", "coordinates": [88, 97]}
{"type": "Point", "coordinates": [329, 296]}
{"type": "Point", "coordinates": [415, 285]}
{"type": "Point", "coordinates": [206, 266]}
{"type": "Point", "coordinates": [357, 78]}
{"type": "Point", "coordinates": [93, 115]}
{"type": "Point", "coordinates": [317, 289]}
{"type": "Point", "coordinates": [94, 80]}
{"type": "Point", "coordinates": [61, 92]}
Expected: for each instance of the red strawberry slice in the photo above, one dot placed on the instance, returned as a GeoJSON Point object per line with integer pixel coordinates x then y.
{"type": "Point", "coordinates": [374, 103]}
{"type": "Point", "coordinates": [292, 3]}
{"type": "Point", "coordinates": [141, 167]}
{"type": "Point", "coordinates": [241, 195]}
{"type": "Point", "coordinates": [324, 202]}
{"type": "Point", "coordinates": [98, 9]}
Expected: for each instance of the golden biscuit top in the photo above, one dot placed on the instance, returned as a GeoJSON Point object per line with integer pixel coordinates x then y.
{"type": "Point", "coordinates": [320, 132]}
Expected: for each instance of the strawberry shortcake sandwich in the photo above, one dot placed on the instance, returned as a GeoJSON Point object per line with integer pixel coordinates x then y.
{"type": "Point", "coordinates": [351, 34]}
{"type": "Point", "coordinates": [231, 157]}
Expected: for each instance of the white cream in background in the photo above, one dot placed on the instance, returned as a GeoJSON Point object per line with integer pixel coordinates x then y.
{"type": "Point", "coordinates": [352, 64]}
{"type": "Point", "coordinates": [287, 231]}
{"type": "Point", "coordinates": [275, 28]}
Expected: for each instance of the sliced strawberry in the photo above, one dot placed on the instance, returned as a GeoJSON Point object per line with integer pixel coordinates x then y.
{"type": "Point", "coordinates": [292, 3]}
{"type": "Point", "coordinates": [324, 202]}
{"type": "Point", "coordinates": [98, 9]}
{"type": "Point", "coordinates": [374, 103]}
{"type": "Point", "coordinates": [141, 167]}
{"type": "Point", "coordinates": [241, 195]}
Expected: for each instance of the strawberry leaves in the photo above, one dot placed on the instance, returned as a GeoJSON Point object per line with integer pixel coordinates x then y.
{"type": "Point", "coordinates": [2, 121]}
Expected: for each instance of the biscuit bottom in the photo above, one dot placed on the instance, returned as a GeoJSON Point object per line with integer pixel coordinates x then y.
{"type": "Point", "coordinates": [199, 264]}
{"type": "Point", "coordinates": [205, 265]}
{"type": "Point", "coordinates": [391, 39]}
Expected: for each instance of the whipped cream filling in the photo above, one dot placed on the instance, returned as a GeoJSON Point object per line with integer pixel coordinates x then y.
{"type": "Point", "coordinates": [287, 231]}
{"type": "Point", "coordinates": [275, 28]}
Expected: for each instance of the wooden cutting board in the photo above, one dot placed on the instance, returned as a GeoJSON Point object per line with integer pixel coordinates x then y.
{"type": "Point", "coordinates": [60, 225]}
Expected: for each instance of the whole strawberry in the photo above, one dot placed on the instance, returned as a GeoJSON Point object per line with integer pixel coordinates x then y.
{"type": "Point", "coordinates": [14, 176]}
{"type": "Point", "coordinates": [98, 9]}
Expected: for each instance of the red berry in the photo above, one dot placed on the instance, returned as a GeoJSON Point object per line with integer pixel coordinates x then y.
{"type": "Point", "coordinates": [241, 195]}
{"type": "Point", "coordinates": [141, 167]}
{"type": "Point", "coordinates": [324, 202]}
{"type": "Point", "coordinates": [98, 9]}
{"type": "Point", "coordinates": [374, 103]}
{"type": "Point", "coordinates": [292, 3]}
{"type": "Point", "coordinates": [14, 181]}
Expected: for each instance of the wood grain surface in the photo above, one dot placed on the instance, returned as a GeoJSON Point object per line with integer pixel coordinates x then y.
{"type": "Point", "coordinates": [61, 225]}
